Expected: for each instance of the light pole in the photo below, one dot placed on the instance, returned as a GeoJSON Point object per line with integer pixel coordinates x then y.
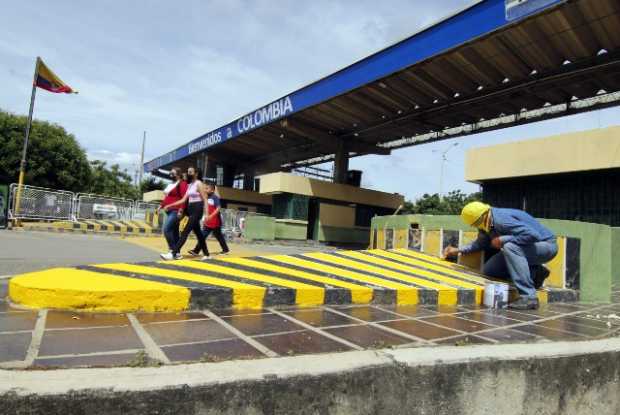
{"type": "Point", "coordinates": [443, 162]}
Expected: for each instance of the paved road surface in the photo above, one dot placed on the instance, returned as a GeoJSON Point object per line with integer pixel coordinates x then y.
{"type": "Point", "coordinates": [30, 251]}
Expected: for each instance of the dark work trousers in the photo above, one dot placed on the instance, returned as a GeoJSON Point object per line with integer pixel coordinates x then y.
{"type": "Point", "coordinates": [217, 232]}
{"type": "Point", "coordinates": [195, 211]}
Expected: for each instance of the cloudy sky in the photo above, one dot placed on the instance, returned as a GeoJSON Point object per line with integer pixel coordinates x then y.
{"type": "Point", "coordinates": [178, 69]}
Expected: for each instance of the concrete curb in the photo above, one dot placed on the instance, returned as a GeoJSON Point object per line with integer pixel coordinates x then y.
{"type": "Point", "coordinates": [63, 381]}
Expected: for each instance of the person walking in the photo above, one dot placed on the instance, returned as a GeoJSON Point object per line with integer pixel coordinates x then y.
{"type": "Point", "coordinates": [195, 197]}
{"type": "Point", "coordinates": [524, 245]}
{"type": "Point", "coordinates": [173, 193]}
{"type": "Point", "coordinates": [213, 221]}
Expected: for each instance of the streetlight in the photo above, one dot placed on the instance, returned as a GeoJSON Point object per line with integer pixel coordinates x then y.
{"type": "Point", "coordinates": [443, 162]}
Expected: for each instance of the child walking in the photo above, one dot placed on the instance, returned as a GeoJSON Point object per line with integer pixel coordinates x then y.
{"type": "Point", "coordinates": [213, 221]}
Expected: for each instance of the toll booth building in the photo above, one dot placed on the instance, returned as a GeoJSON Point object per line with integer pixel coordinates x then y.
{"type": "Point", "coordinates": [305, 208]}
{"type": "Point", "coordinates": [492, 65]}
{"type": "Point", "coordinates": [572, 176]}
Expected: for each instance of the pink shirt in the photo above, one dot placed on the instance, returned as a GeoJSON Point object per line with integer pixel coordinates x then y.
{"type": "Point", "coordinates": [193, 193]}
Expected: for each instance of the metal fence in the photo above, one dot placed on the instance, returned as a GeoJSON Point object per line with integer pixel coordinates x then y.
{"type": "Point", "coordinates": [48, 204]}
{"type": "Point", "coordinates": [140, 209]}
{"type": "Point", "coordinates": [41, 203]}
{"type": "Point", "coordinates": [91, 206]}
{"type": "Point", "coordinates": [233, 221]}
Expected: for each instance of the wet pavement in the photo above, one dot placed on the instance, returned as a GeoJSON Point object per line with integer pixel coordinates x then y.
{"type": "Point", "coordinates": [50, 339]}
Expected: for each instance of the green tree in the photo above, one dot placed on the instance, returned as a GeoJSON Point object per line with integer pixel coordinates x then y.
{"type": "Point", "coordinates": [111, 181]}
{"type": "Point", "coordinates": [450, 204]}
{"type": "Point", "coordinates": [55, 159]}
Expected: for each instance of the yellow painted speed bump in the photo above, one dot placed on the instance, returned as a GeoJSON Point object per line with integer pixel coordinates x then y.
{"type": "Point", "coordinates": [446, 294]}
{"type": "Point", "coordinates": [360, 294]}
{"type": "Point", "coordinates": [405, 294]}
{"type": "Point", "coordinates": [305, 294]}
{"type": "Point", "coordinates": [244, 295]}
{"type": "Point", "coordinates": [438, 276]}
{"type": "Point", "coordinates": [342, 277]}
{"type": "Point", "coordinates": [75, 289]}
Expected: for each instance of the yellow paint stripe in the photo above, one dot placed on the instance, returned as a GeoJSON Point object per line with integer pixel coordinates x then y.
{"type": "Point", "coordinates": [305, 294]}
{"type": "Point", "coordinates": [543, 296]}
{"type": "Point", "coordinates": [445, 293]}
{"type": "Point", "coordinates": [114, 223]}
{"type": "Point", "coordinates": [360, 294]}
{"type": "Point", "coordinates": [70, 288]}
{"type": "Point", "coordinates": [441, 263]}
{"type": "Point", "coordinates": [405, 294]}
{"type": "Point", "coordinates": [244, 295]}
{"type": "Point", "coordinates": [141, 224]}
{"type": "Point", "coordinates": [80, 225]}
{"type": "Point", "coordinates": [459, 276]}
{"type": "Point", "coordinates": [481, 281]}
{"type": "Point", "coordinates": [95, 225]}
{"type": "Point", "coordinates": [422, 273]}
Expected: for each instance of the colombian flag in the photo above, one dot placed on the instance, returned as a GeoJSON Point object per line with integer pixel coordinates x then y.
{"type": "Point", "coordinates": [48, 80]}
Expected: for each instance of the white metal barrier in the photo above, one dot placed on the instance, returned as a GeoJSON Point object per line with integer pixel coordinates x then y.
{"type": "Point", "coordinates": [233, 221]}
{"type": "Point", "coordinates": [41, 203]}
{"type": "Point", "coordinates": [140, 209]}
{"type": "Point", "coordinates": [89, 206]}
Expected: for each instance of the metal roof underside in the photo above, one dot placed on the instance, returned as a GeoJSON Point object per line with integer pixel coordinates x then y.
{"type": "Point", "coordinates": [560, 61]}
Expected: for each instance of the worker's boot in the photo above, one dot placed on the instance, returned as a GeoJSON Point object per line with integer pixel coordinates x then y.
{"type": "Point", "coordinates": [541, 274]}
{"type": "Point", "coordinates": [524, 303]}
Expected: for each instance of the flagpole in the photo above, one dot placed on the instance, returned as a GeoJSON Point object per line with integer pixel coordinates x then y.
{"type": "Point", "coordinates": [22, 165]}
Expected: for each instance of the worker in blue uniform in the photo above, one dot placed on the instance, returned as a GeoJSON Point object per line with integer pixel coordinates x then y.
{"type": "Point", "coordinates": [524, 246]}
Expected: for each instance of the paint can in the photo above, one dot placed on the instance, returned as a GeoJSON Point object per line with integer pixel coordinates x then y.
{"type": "Point", "coordinates": [496, 295]}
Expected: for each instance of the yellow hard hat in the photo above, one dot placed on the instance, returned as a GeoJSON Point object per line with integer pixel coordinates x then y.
{"type": "Point", "coordinates": [473, 211]}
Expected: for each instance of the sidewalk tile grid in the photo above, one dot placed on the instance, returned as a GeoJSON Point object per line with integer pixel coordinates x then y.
{"type": "Point", "coordinates": [81, 339]}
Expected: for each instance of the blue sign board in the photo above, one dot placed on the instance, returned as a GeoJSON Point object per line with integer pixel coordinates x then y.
{"type": "Point", "coordinates": [478, 20]}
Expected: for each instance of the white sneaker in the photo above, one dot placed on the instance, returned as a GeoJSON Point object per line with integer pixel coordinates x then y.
{"type": "Point", "coordinates": [169, 256]}
{"type": "Point", "coordinates": [178, 256]}
{"type": "Point", "coordinates": [205, 258]}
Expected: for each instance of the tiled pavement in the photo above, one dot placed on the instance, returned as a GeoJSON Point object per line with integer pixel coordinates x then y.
{"type": "Point", "coordinates": [47, 339]}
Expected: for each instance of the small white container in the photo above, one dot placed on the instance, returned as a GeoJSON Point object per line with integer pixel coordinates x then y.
{"type": "Point", "coordinates": [496, 295]}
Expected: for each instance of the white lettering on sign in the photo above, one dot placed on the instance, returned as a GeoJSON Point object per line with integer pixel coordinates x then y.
{"type": "Point", "coordinates": [265, 115]}
{"type": "Point", "coordinates": [207, 141]}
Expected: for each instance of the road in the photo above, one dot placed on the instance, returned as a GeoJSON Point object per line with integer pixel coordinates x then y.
{"type": "Point", "coordinates": [31, 251]}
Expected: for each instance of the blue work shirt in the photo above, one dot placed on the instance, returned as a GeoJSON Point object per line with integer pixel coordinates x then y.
{"type": "Point", "coordinates": [511, 225]}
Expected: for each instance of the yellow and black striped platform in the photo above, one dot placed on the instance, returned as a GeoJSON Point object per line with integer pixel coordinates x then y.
{"type": "Point", "coordinates": [399, 276]}
{"type": "Point", "coordinates": [117, 227]}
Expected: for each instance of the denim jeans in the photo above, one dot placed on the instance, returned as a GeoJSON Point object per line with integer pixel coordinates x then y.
{"type": "Point", "coordinates": [519, 262]}
{"type": "Point", "coordinates": [171, 228]}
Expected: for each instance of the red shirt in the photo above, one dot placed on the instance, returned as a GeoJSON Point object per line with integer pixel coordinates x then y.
{"type": "Point", "coordinates": [213, 202]}
{"type": "Point", "coordinates": [175, 195]}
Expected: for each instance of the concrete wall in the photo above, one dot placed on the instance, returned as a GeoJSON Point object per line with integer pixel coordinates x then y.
{"type": "Point", "coordinates": [291, 229]}
{"type": "Point", "coordinates": [153, 196]}
{"type": "Point", "coordinates": [290, 183]}
{"type": "Point", "coordinates": [562, 378]}
{"type": "Point", "coordinates": [580, 151]}
{"type": "Point", "coordinates": [260, 228]}
{"type": "Point", "coordinates": [245, 197]}
{"type": "Point", "coordinates": [356, 235]}
{"type": "Point", "coordinates": [336, 215]}
{"type": "Point", "coordinates": [615, 256]}
{"type": "Point", "coordinates": [596, 259]}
